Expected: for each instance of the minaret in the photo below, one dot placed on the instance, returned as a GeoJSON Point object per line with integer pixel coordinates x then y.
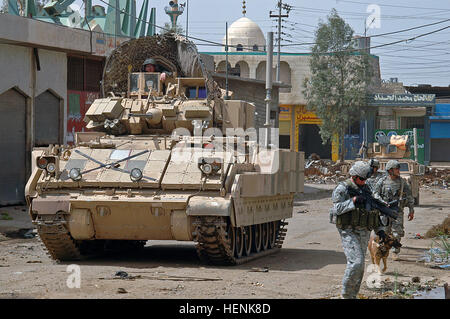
{"type": "Point", "coordinates": [174, 11]}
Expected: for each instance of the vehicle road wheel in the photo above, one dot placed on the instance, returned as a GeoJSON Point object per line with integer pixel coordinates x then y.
{"type": "Point", "coordinates": [256, 242]}
{"type": "Point", "coordinates": [239, 242]}
{"type": "Point", "coordinates": [265, 236]}
{"type": "Point", "coordinates": [248, 240]}
{"type": "Point", "coordinates": [273, 227]}
{"type": "Point", "coordinates": [231, 237]}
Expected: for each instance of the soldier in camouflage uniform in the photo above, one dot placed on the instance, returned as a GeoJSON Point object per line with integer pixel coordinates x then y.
{"type": "Point", "coordinates": [354, 225]}
{"type": "Point", "coordinates": [376, 174]}
{"type": "Point", "coordinates": [393, 187]}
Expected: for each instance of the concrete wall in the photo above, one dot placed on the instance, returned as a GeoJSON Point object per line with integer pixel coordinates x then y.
{"type": "Point", "coordinates": [18, 64]}
{"type": "Point", "coordinates": [35, 33]}
{"type": "Point", "coordinates": [15, 65]}
{"type": "Point", "coordinates": [252, 92]}
{"type": "Point", "coordinates": [296, 64]}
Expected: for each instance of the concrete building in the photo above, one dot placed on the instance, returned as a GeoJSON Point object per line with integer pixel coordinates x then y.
{"type": "Point", "coordinates": [299, 128]}
{"type": "Point", "coordinates": [49, 76]}
{"type": "Point", "coordinates": [438, 121]}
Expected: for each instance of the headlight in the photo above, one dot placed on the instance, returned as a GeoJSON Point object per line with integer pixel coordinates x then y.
{"type": "Point", "coordinates": [206, 168]}
{"type": "Point", "coordinates": [51, 168]}
{"type": "Point", "coordinates": [42, 162]}
{"type": "Point", "coordinates": [210, 165]}
{"type": "Point", "coordinates": [75, 174]}
{"type": "Point", "coordinates": [136, 174]}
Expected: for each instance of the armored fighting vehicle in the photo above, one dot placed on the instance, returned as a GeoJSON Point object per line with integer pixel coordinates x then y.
{"type": "Point", "coordinates": [164, 160]}
{"type": "Point", "coordinates": [398, 147]}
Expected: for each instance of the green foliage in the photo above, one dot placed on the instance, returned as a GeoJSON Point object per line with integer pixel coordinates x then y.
{"type": "Point", "coordinates": [4, 6]}
{"type": "Point", "coordinates": [336, 90]}
{"type": "Point", "coordinates": [168, 29]}
{"type": "Point", "coordinates": [5, 216]}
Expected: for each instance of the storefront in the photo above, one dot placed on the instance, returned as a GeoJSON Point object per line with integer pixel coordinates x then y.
{"type": "Point", "coordinates": [440, 134]}
{"type": "Point", "coordinates": [299, 131]}
{"type": "Point", "coordinates": [399, 114]}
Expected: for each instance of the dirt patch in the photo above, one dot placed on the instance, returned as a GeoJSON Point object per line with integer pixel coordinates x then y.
{"type": "Point", "coordinates": [438, 230]}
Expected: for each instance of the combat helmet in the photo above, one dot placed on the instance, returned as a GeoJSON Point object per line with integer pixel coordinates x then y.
{"type": "Point", "coordinates": [361, 169]}
{"type": "Point", "coordinates": [374, 163]}
{"type": "Point", "coordinates": [149, 61]}
{"type": "Point", "coordinates": [392, 164]}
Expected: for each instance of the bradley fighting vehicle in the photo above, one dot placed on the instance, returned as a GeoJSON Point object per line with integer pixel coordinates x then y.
{"type": "Point", "coordinates": [164, 161]}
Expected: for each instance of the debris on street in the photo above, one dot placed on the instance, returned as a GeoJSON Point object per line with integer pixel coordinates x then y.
{"type": "Point", "coordinates": [256, 269]}
{"type": "Point", "coordinates": [121, 291]}
{"type": "Point", "coordinates": [439, 177]}
{"type": "Point", "coordinates": [436, 258]}
{"type": "Point", "coordinates": [325, 171]}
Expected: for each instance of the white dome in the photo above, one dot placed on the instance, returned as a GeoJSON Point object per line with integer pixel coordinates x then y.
{"type": "Point", "coordinates": [247, 33]}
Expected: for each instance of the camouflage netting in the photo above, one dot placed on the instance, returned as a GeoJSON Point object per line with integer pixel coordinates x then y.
{"type": "Point", "coordinates": [174, 52]}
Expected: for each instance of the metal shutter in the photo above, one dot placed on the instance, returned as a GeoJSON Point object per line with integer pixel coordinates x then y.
{"type": "Point", "coordinates": [47, 119]}
{"type": "Point", "coordinates": [12, 147]}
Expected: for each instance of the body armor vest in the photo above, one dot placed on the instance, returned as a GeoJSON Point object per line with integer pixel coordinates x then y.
{"type": "Point", "coordinates": [358, 217]}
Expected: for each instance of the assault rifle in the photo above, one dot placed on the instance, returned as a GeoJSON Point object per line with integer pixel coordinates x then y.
{"type": "Point", "coordinates": [372, 203]}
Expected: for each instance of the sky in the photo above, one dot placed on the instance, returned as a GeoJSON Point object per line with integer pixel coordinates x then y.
{"type": "Point", "coordinates": [424, 60]}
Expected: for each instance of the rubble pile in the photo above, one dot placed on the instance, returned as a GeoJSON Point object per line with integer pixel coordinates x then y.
{"type": "Point", "coordinates": [324, 171]}
{"type": "Point", "coordinates": [435, 177]}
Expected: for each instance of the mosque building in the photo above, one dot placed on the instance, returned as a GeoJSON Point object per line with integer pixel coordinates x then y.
{"type": "Point", "coordinates": [298, 127]}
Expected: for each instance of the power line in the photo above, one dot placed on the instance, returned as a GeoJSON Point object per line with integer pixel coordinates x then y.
{"type": "Point", "coordinates": [358, 15]}
{"type": "Point", "coordinates": [409, 29]}
{"type": "Point", "coordinates": [393, 6]}
{"type": "Point", "coordinates": [165, 29]}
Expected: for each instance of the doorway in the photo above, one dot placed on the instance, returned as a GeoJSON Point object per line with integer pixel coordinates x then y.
{"type": "Point", "coordinates": [309, 141]}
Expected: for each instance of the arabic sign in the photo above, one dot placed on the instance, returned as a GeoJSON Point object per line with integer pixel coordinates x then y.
{"type": "Point", "coordinates": [303, 116]}
{"type": "Point", "coordinates": [285, 113]}
{"type": "Point", "coordinates": [382, 99]}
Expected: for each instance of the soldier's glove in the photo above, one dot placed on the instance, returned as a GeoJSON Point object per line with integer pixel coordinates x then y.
{"type": "Point", "coordinates": [382, 235]}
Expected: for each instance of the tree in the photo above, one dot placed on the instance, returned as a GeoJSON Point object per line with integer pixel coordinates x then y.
{"type": "Point", "coordinates": [340, 75]}
{"type": "Point", "coordinates": [168, 29]}
{"type": "Point", "coordinates": [4, 7]}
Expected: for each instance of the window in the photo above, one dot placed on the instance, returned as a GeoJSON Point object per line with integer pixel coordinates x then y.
{"type": "Point", "coordinates": [412, 122]}
{"type": "Point", "coordinates": [84, 74]}
{"type": "Point", "coordinates": [75, 73]}
{"type": "Point", "coordinates": [239, 47]}
{"type": "Point", "coordinates": [255, 48]}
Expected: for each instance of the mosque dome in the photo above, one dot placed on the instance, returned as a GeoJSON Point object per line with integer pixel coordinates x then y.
{"type": "Point", "coordinates": [245, 35]}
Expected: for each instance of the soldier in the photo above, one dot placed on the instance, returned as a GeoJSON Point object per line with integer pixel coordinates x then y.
{"type": "Point", "coordinates": [376, 174]}
{"type": "Point", "coordinates": [150, 65]}
{"type": "Point", "coordinates": [393, 187]}
{"type": "Point", "coordinates": [354, 224]}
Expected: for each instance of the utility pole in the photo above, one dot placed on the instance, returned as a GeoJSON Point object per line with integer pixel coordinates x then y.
{"type": "Point", "coordinates": [279, 16]}
{"type": "Point", "coordinates": [268, 100]}
{"type": "Point", "coordinates": [226, 67]}
{"type": "Point", "coordinates": [187, 17]}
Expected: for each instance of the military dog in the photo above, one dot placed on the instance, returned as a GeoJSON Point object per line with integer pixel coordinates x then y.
{"type": "Point", "coordinates": [380, 250]}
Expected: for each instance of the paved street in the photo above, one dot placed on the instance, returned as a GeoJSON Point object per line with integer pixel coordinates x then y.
{"type": "Point", "coordinates": [310, 264]}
